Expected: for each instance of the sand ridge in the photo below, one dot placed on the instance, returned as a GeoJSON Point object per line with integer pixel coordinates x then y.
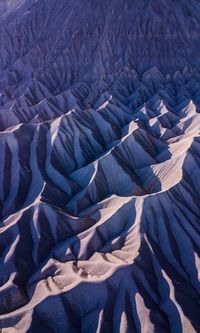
{"type": "Point", "coordinates": [99, 166]}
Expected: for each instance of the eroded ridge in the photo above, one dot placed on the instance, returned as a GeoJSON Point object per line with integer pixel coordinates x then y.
{"type": "Point", "coordinates": [99, 166]}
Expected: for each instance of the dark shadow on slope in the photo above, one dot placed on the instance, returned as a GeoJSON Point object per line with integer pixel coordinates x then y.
{"type": "Point", "coordinates": [174, 216]}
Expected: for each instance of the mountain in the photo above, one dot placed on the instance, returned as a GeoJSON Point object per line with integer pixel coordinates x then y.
{"type": "Point", "coordinates": [100, 166]}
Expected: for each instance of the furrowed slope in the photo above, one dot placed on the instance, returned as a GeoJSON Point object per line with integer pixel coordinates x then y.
{"type": "Point", "coordinates": [99, 166]}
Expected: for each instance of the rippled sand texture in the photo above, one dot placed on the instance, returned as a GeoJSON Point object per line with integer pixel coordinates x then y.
{"type": "Point", "coordinates": [100, 166]}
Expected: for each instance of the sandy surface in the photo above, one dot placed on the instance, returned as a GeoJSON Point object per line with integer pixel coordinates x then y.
{"type": "Point", "coordinates": [99, 166]}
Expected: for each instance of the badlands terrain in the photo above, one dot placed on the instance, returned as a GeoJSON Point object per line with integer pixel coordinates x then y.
{"type": "Point", "coordinates": [100, 166]}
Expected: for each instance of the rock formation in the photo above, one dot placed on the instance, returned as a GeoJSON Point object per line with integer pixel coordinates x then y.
{"type": "Point", "coordinates": [100, 166]}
